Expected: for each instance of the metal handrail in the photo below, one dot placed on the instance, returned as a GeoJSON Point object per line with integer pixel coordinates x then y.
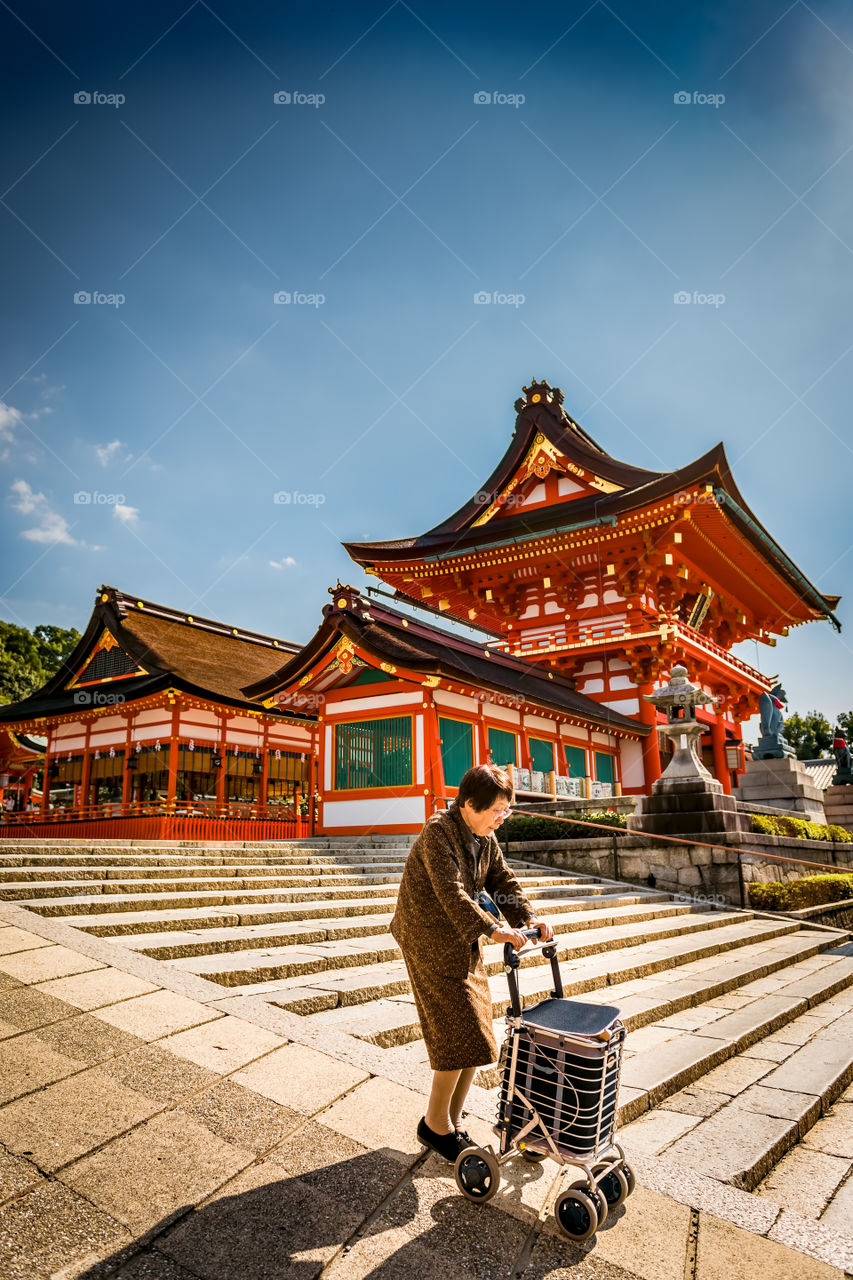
{"type": "Point", "coordinates": [613, 832]}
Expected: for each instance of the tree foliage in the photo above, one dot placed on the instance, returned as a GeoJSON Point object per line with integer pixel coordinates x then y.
{"type": "Point", "coordinates": [29, 658]}
{"type": "Point", "coordinates": [810, 735]}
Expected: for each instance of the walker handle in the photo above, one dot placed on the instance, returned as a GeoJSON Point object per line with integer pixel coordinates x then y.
{"type": "Point", "coordinates": [512, 962]}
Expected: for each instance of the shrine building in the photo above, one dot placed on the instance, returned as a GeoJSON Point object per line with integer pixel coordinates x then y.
{"type": "Point", "coordinates": [147, 733]}
{"type": "Point", "coordinates": [404, 708]}
{"type": "Point", "coordinates": [608, 574]}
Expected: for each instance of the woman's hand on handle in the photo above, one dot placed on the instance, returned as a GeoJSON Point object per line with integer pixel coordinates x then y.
{"type": "Point", "coordinates": [546, 933]}
{"type": "Point", "coordinates": [503, 933]}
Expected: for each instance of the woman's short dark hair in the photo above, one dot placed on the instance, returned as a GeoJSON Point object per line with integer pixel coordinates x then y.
{"type": "Point", "coordinates": [482, 785]}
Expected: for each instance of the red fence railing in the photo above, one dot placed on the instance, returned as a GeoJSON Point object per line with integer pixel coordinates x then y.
{"type": "Point", "coordinates": [157, 821]}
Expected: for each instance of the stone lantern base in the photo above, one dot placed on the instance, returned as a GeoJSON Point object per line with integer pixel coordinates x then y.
{"type": "Point", "coordinates": [687, 807]}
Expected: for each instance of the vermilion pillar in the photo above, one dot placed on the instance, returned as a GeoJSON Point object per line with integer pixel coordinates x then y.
{"type": "Point", "coordinates": [718, 746]}
{"type": "Point", "coordinates": [651, 751]}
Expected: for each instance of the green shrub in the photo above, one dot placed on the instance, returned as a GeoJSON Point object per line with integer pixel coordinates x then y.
{"type": "Point", "coordinates": [809, 891]}
{"type": "Point", "coordinates": [798, 828]}
{"type": "Point", "coordinates": [522, 827]}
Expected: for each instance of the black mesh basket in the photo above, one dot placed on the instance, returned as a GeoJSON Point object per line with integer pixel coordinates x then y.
{"type": "Point", "coordinates": [561, 1063]}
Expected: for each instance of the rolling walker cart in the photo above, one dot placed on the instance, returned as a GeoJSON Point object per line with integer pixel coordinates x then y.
{"type": "Point", "coordinates": [561, 1061]}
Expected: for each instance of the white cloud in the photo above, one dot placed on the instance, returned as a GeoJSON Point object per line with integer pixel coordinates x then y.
{"type": "Point", "coordinates": [10, 418]}
{"type": "Point", "coordinates": [127, 515]}
{"type": "Point", "coordinates": [286, 562]}
{"type": "Point", "coordinates": [50, 526]}
{"type": "Point", "coordinates": [106, 452]}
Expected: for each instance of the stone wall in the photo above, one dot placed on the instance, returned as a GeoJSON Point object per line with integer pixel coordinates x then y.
{"type": "Point", "coordinates": [702, 870]}
{"type": "Point", "coordinates": [837, 915]}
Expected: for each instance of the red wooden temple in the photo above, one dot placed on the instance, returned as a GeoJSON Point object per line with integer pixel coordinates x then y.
{"type": "Point", "coordinates": [146, 733]}
{"type": "Point", "coordinates": [609, 574]}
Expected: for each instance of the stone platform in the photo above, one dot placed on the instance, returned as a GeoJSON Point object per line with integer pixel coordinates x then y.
{"type": "Point", "coordinates": [159, 1123]}
{"type": "Point", "coordinates": [782, 784]}
{"type": "Point", "coordinates": [838, 806]}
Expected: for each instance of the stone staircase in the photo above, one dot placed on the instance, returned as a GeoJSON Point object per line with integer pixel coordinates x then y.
{"type": "Point", "coordinates": [740, 1058]}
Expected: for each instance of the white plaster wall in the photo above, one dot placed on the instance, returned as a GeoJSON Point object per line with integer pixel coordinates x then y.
{"type": "Point", "coordinates": [374, 813]}
{"type": "Point", "coordinates": [537, 724]}
{"type": "Point", "coordinates": [627, 706]}
{"type": "Point", "coordinates": [374, 703]}
{"type": "Point", "coordinates": [494, 712]}
{"type": "Point", "coordinates": [71, 729]}
{"type": "Point", "coordinates": [631, 758]}
{"type": "Point", "coordinates": [462, 703]}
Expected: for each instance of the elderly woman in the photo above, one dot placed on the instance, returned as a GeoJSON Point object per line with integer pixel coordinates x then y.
{"type": "Point", "coordinates": [440, 927]}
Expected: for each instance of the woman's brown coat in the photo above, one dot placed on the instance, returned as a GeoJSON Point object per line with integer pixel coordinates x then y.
{"type": "Point", "coordinates": [439, 927]}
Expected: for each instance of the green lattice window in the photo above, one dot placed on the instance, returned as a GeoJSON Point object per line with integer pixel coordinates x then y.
{"type": "Point", "coordinates": [604, 767]}
{"type": "Point", "coordinates": [541, 755]}
{"type": "Point", "coordinates": [373, 753]}
{"type": "Point", "coordinates": [576, 761]}
{"type": "Point", "coordinates": [502, 747]}
{"type": "Point", "coordinates": [456, 749]}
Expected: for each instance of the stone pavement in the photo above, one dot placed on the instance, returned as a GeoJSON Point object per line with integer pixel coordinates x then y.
{"type": "Point", "coordinates": [154, 1127]}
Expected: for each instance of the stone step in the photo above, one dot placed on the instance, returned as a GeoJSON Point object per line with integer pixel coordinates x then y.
{"type": "Point", "coordinates": [387, 1022]}
{"type": "Point", "coordinates": [814, 1178]}
{"type": "Point", "coordinates": [115, 898]}
{"type": "Point", "coordinates": [177, 944]}
{"type": "Point", "coordinates": [656, 1015]}
{"type": "Point", "coordinates": [95, 861]}
{"type": "Point", "coordinates": [117, 880]}
{"type": "Point", "coordinates": [742, 1141]}
{"type": "Point", "coordinates": [188, 847]}
{"type": "Point", "coordinates": [131, 867]}
{"type": "Point", "coordinates": [112, 921]}
{"type": "Point", "coordinates": [40, 886]}
{"type": "Point", "coordinates": [303, 964]}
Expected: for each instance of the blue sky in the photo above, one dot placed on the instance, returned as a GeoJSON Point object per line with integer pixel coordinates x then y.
{"type": "Point", "coordinates": [381, 198]}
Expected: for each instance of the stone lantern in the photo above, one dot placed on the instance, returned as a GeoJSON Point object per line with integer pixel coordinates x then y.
{"type": "Point", "coordinates": [686, 799]}
{"type": "Point", "coordinates": [679, 699]}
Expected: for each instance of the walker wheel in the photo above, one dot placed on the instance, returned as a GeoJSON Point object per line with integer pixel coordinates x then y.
{"type": "Point", "coordinates": [613, 1186]}
{"type": "Point", "coordinates": [576, 1215]}
{"type": "Point", "coordinates": [628, 1175]}
{"type": "Point", "coordinates": [596, 1196]}
{"type": "Point", "coordinates": [477, 1174]}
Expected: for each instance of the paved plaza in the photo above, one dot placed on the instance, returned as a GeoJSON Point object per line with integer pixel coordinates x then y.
{"type": "Point", "coordinates": [157, 1123]}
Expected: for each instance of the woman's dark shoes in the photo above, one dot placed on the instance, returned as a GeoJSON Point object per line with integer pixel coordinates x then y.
{"type": "Point", "coordinates": [446, 1144]}
{"type": "Point", "coordinates": [465, 1139]}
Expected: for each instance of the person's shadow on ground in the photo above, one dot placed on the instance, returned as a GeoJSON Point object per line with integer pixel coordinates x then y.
{"type": "Point", "coordinates": [275, 1227]}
